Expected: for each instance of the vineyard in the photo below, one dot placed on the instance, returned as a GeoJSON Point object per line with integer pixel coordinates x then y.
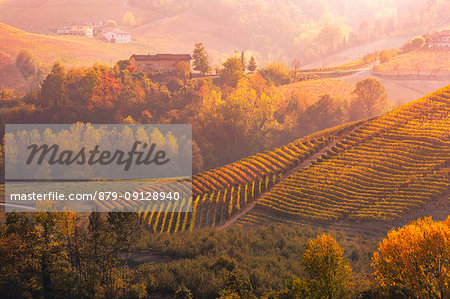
{"type": "Point", "coordinates": [383, 169]}
{"type": "Point", "coordinates": [219, 194]}
{"type": "Point", "coordinates": [373, 170]}
{"type": "Point", "coordinates": [420, 62]}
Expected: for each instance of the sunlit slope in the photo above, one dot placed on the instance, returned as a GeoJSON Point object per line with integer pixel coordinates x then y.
{"type": "Point", "coordinates": [221, 194]}
{"type": "Point", "coordinates": [379, 169]}
{"type": "Point", "coordinates": [386, 168]}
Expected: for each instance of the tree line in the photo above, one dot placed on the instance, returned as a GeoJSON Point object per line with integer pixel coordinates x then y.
{"type": "Point", "coordinates": [64, 255]}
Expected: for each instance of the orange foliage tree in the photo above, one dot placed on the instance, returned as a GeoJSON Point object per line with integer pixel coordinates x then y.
{"type": "Point", "coordinates": [416, 256]}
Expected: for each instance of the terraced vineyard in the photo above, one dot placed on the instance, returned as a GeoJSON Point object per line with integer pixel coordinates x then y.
{"type": "Point", "coordinates": [219, 194]}
{"type": "Point", "coordinates": [387, 167]}
{"type": "Point", "coordinates": [379, 169]}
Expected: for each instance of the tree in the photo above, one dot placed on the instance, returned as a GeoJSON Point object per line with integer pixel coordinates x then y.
{"type": "Point", "coordinates": [200, 56]}
{"type": "Point", "coordinates": [236, 286]}
{"type": "Point", "coordinates": [54, 87]}
{"type": "Point", "coordinates": [328, 273]}
{"type": "Point", "coordinates": [243, 61]}
{"type": "Point", "coordinates": [111, 23]}
{"type": "Point", "coordinates": [414, 44]}
{"type": "Point", "coordinates": [296, 287]}
{"type": "Point", "coordinates": [231, 71]}
{"type": "Point", "coordinates": [416, 256]}
{"type": "Point", "coordinates": [183, 293]}
{"type": "Point", "coordinates": [30, 68]}
{"type": "Point", "coordinates": [128, 19]}
{"type": "Point", "coordinates": [322, 115]}
{"type": "Point", "coordinates": [27, 64]}
{"type": "Point", "coordinates": [183, 70]}
{"type": "Point", "coordinates": [371, 98]}
{"type": "Point", "coordinates": [276, 72]}
{"type": "Point", "coordinates": [252, 66]}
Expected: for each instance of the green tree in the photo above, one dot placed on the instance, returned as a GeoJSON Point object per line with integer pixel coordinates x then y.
{"type": "Point", "coordinates": [200, 56]}
{"type": "Point", "coordinates": [371, 98]}
{"type": "Point", "coordinates": [231, 72]}
{"type": "Point", "coordinates": [328, 273]}
{"type": "Point", "coordinates": [252, 66]}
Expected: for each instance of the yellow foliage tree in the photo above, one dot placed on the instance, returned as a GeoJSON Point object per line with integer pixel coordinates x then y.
{"type": "Point", "coordinates": [416, 256]}
{"type": "Point", "coordinates": [329, 273]}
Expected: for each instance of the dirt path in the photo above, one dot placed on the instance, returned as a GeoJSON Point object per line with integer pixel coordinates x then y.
{"type": "Point", "coordinates": [305, 163]}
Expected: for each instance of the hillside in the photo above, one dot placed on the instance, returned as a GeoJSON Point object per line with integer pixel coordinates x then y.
{"type": "Point", "coordinates": [382, 172]}
{"type": "Point", "coordinates": [70, 50]}
{"type": "Point", "coordinates": [425, 62]}
{"type": "Point", "coordinates": [311, 90]}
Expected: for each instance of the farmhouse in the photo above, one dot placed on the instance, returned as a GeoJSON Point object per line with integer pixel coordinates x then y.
{"type": "Point", "coordinates": [117, 36]}
{"type": "Point", "coordinates": [161, 63]}
{"type": "Point", "coordinates": [440, 39]}
{"type": "Point", "coordinates": [80, 30]}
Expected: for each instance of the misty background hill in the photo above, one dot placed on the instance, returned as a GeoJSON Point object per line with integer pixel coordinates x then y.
{"type": "Point", "coordinates": [272, 30]}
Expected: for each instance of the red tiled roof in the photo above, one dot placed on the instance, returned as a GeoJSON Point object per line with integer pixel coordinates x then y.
{"type": "Point", "coordinates": [163, 57]}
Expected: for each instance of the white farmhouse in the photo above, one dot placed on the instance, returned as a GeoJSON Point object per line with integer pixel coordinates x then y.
{"type": "Point", "coordinates": [117, 36]}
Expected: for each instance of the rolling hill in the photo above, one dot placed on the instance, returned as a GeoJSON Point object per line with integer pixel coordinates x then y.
{"type": "Point", "coordinates": [363, 177]}
{"type": "Point", "coordinates": [69, 50]}
{"type": "Point", "coordinates": [426, 62]}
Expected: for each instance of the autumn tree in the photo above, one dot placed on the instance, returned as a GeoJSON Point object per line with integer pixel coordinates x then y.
{"type": "Point", "coordinates": [183, 70]}
{"type": "Point", "coordinates": [105, 96]}
{"type": "Point", "coordinates": [277, 73]}
{"type": "Point", "coordinates": [54, 87]}
{"type": "Point", "coordinates": [231, 71]}
{"type": "Point", "coordinates": [128, 19]}
{"type": "Point", "coordinates": [328, 272]}
{"type": "Point", "coordinates": [252, 66]}
{"type": "Point", "coordinates": [323, 114]}
{"type": "Point", "coordinates": [371, 98]}
{"type": "Point", "coordinates": [416, 256]}
{"type": "Point", "coordinates": [236, 286]}
{"type": "Point", "coordinates": [200, 56]}
{"type": "Point", "coordinates": [111, 23]}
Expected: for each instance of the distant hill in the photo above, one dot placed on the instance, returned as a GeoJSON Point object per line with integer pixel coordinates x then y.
{"type": "Point", "coordinates": [69, 50]}
{"type": "Point", "coordinates": [272, 30]}
{"type": "Point", "coordinates": [363, 177]}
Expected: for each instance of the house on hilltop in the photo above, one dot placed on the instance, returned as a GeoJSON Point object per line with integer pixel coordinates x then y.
{"type": "Point", "coordinates": [117, 36]}
{"type": "Point", "coordinates": [160, 63]}
{"type": "Point", "coordinates": [440, 39]}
